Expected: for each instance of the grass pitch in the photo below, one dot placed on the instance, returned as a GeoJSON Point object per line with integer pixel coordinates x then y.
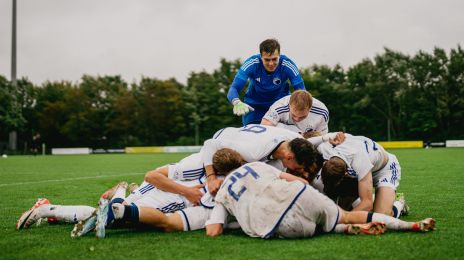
{"type": "Point", "coordinates": [431, 181]}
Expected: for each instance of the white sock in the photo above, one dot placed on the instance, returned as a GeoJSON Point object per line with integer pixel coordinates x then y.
{"type": "Point", "coordinates": [391, 222]}
{"type": "Point", "coordinates": [120, 193]}
{"type": "Point", "coordinates": [118, 210]}
{"type": "Point", "coordinates": [340, 228]}
{"type": "Point", "coordinates": [66, 213]}
{"type": "Point", "coordinates": [398, 205]}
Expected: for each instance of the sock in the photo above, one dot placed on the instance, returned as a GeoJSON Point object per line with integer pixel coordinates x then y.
{"type": "Point", "coordinates": [340, 228]}
{"type": "Point", "coordinates": [397, 208]}
{"type": "Point", "coordinates": [120, 193]}
{"type": "Point", "coordinates": [137, 193]}
{"type": "Point", "coordinates": [71, 214]}
{"type": "Point", "coordinates": [391, 222]}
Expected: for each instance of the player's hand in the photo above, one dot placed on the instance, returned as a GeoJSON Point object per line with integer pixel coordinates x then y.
{"type": "Point", "coordinates": [241, 108]}
{"type": "Point", "coordinates": [214, 230]}
{"type": "Point", "coordinates": [194, 194]}
{"type": "Point", "coordinates": [214, 185]}
{"type": "Point", "coordinates": [334, 138]}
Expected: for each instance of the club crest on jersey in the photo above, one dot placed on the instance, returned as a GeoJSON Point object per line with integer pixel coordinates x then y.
{"type": "Point", "coordinates": [276, 81]}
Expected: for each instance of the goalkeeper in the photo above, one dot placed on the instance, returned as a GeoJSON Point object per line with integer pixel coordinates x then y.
{"type": "Point", "coordinates": [269, 73]}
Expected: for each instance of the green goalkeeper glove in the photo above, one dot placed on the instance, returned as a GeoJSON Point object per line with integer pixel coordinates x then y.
{"type": "Point", "coordinates": [241, 108]}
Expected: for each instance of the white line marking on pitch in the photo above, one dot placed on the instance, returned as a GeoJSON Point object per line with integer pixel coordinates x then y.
{"type": "Point", "coordinates": [70, 179]}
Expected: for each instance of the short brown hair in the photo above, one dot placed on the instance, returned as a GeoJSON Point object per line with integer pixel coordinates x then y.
{"type": "Point", "coordinates": [225, 160]}
{"type": "Point", "coordinates": [301, 100]}
{"type": "Point", "coordinates": [269, 46]}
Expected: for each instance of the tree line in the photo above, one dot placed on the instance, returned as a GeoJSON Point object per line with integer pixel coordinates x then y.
{"type": "Point", "coordinates": [391, 96]}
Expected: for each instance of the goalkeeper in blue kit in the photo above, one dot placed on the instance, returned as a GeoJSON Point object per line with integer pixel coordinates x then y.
{"type": "Point", "coordinates": [269, 73]}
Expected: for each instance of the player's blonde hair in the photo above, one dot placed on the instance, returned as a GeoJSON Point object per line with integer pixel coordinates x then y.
{"type": "Point", "coordinates": [301, 100]}
{"type": "Point", "coordinates": [225, 160]}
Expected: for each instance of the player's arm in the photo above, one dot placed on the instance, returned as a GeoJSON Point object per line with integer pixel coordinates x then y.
{"type": "Point", "coordinates": [233, 95]}
{"type": "Point", "coordinates": [334, 138]}
{"type": "Point", "coordinates": [237, 86]}
{"type": "Point", "coordinates": [289, 177]}
{"type": "Point", "coordinates": [264, 121]}
{"type": "Point", "coordinates": [159, 178]}
{"type": "Point", "coordinates": [365, 194]}
{"type": "Point", "coordinates": [215, 224]}
{"type": "Point", "coordinates": [211, 146]}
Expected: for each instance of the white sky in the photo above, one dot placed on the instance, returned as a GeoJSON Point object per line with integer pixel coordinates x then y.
{"type": "Point", "coordinates": [64, 39]}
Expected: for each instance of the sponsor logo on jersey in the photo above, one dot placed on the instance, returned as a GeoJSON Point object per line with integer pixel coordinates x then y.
{"type": "Point", "coordinates": [258, 79]}
{"type": "Point", "coordinates": [276, 81]}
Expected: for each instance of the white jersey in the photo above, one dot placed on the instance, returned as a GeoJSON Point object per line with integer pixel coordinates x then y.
{"type": "Point", "coordinates": [258, 198]}
{"type": "Point", "coordinates": [317, 120]}
{"type": "Point", "coordinates": [360, 153]}
{"type": "Point", "coordinates": [252, 142]}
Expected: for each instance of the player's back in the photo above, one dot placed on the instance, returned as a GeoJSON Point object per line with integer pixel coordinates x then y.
{"type": "Point", "coordinates": [257, 197]}
{"type": "Point", "coordinates": [354, 146]}
{"type": "Point", "coordinates": [256, 140]}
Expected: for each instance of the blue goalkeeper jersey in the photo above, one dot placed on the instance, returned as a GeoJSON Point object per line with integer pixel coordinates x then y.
{"type": "Point", "coordinates": [265, 88]}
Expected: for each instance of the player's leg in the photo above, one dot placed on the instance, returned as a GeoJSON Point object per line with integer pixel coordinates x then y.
{"type": "Point", "coordinates": [384, 199]}
{"type": "Point", "coordinates": [148, 216]}
{"type": "Point", "coordinates": [362, 217]}
{"type": "Point", "coordinates": [71, 214]}
{"type": "Point", "coordinates": [386, 182]}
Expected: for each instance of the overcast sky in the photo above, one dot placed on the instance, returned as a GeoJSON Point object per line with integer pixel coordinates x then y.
{"type": "Point", "coordinates": [64, 39]}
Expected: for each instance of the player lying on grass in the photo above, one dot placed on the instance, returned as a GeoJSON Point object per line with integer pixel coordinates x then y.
{"type": "Point", "coordinates": [279, 147]}
{"type": "Point", "coordinates": [179, 175]}
{"type": "Point", "coordinates": [190, 218]}
{"type": "Point", "coordinates": [298, 112]}
{"type": "Point", "coordinates": [269, 203]}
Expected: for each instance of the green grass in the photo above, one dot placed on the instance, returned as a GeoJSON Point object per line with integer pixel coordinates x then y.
{"type": "Point", "coordinates": [431, 180]}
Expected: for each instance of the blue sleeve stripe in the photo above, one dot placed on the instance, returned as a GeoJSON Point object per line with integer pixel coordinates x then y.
{"type": "Point", "coordinates": [247, 64]}
{"type": "Point", "coordinates": [186, 220]}
{"type": "Point", "coordinates": [320, 111]}
{"type": "Point", "coordinates": [194, 171]}
{"type": "Point", "coordinates": [283, 109]}
{"type": "Point", "coordinates": [322, 114]}
{"type": "Point", "coordinates": [291, 67]}
{"type": "Point", "coordinates": [146, 189]}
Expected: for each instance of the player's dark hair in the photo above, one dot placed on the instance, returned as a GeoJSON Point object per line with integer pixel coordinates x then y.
{"type": "Point", "coordinates": [335, 181]}
{"type": "Point", "coordinates": [226, 160]}
{"type": "Point", "coordinates": [315, 167]}
{"type": "Point", "coordinates": [269, 46]}
{"type": "Point", "coordinates": [304, 151]}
